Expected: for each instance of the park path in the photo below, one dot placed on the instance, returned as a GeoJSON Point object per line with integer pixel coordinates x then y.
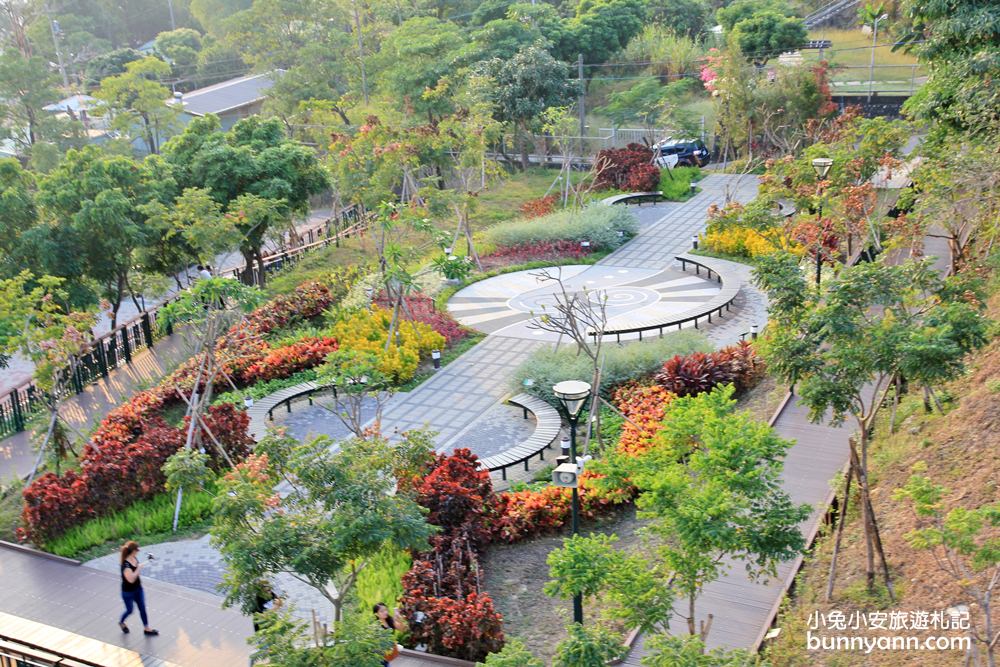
{"type": "Point", "coordinates": [451, 402]}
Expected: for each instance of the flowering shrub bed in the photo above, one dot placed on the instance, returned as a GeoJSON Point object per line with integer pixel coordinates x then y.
{"type": "Point", "coordinates": [284, 361]}
{"type": "Point", "coordinates": [420, 308]}
{"type": "Point", "coordinates": [630, 169]}
{"type": "Point", "coordinates": [531, 252]}
{"type": "Point", "coordinates": [643, 405]}
{"type": "Point", "coordinates": [746, 231]}
{"type": "Point", "coordinates": [366, 331]}
{"type": "Point", "coordinates": [121, 462]}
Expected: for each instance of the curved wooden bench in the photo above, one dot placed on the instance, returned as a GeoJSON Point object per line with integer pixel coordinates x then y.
{"type": "Point", "coordinates": [633, 198]}
{"type": "Point", "coordinates": [262, 412]}
{"type": "Point", "coordinates": [547, 428]}
{"type": "Point", "coordinates": [721, 302]}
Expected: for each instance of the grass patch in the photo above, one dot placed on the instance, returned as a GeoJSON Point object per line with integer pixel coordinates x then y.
{"type": "Point", "coordinates": [10, 510]}
{"type": "Point", "coordinates": [600, 225]}
{"type": "Point", "coordinates": [146, 521]}
{"type": "Point", "coordinates": [381, 579]}
{"type": "Point", "coordinates": [448, 355]}
{"type": "Point", "coordinates": [318, 264]}
{"type": "Point", "coordinates": [675, 184]}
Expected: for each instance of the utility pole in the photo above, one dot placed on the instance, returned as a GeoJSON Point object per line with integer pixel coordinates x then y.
{"type": "Point", "coordinates": [54, 25]}
{"type": "Point", "coordinates": [871, 66]}
{"type": "Point", "coordinates": [361, 51]}
{"type": "Point", "coordinates": [580, 103]}
{"type": "Point", "coordinates": [170, 6]}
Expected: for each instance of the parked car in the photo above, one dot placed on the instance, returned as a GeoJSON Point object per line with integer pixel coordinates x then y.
{"type": "Point", "coordinates": [688, 152]}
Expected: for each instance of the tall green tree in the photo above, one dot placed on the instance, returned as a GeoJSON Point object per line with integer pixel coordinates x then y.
{"type": "Point", "coordinates": [256, 175]}
{"type": "Point", "coordinates": [683, 17]}
{"type": "Point", "coordinates": [337, 510]}
{"type": "Point", "coordinates": [959, 40]}
{"type": "Point", "coordinates": [711, 487]}
{"type": "Point", "coordinates": [599, 30]}
{"type": "Point", "coordinates": [26, 85]}
{"type": "Point", "coordinates": [768, 34]}
{"type": "Point", "coordinates": [137, 102]}
{"type": "Point", "coordinates": [521, 88]}
{"type": "Point", "coordinates": [18, 214]}
{"type": "Point", "coordinates": [93, 205]}
{"type": "Point", "coordinates": [417, 63]}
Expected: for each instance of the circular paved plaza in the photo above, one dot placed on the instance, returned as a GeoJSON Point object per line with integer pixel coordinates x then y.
{"type": "Point", "coordinates": [508, 304]}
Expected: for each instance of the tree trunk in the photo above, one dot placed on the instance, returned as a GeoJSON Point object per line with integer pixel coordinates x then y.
{"type": "Point", "coordinates": [840, 532]}
{"type": "Point", "coordinates": [259, 256]}
{"type": "Point", "coordinates": [691, 623]}
{"type": "Point", "coordinates": [523, 142]}
{"type": "Point", "coordinates": [246, 275]}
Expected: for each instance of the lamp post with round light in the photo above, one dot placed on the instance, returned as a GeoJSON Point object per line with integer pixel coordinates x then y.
{"type": "Point", "coordinates": [573, 394]}
{"type": "Point", "coordinates": [821, 165]}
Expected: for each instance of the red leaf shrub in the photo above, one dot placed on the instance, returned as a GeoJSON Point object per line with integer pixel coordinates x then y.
{"type": "Point", "coordinates": [284, 361]}
{"type": "Point", "coordinates": [643, 178]}
{"type": "Point", "coordinates": [112, 476]}
{"type": "Point", "coordinates": [530, 252]}
{"type": "Point", "coordinates": [459, 496]}
{"type": "Point", "coordinates": [121, 462]}
{"type": "Point", "coordinates": [444, 584]}
{"type": "Point", "coordinates": [699, 372]}
{"type": "Point", "coordinates": [536, 208]}
{"type": "Point", "coordinates": [421, 308]}
{"type": "Point", "coordinates": [619, 164]}
{"type": "Point", "coordinates": [528, 513]}
{"type": "Point", "coordinates": [230, 426]}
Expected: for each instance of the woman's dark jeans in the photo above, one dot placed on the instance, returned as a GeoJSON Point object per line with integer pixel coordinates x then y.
{"type": "Point", "coordinates": [134, 598]}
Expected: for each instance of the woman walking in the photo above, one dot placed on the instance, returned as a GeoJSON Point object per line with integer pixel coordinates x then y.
{"type": "Point", "coordinates": [132, 587]}
{"type": "Point", "coordinates": [391, 622]}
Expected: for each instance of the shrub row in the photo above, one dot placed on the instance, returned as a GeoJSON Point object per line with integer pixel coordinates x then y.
{"type": "Point", "coordinates": [367, 330]}
{"type": "Point", "coordinates": [531, 252]}
{"type": "Point", "coordinates": [598, 224]}
{"type": "Point", "coordinates": [121, 461]}
{"type": "Point", "coordinates": [548, 366]}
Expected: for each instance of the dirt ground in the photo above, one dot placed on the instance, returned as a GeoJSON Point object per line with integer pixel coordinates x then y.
{"type": "Point", "coordinates": [516, 573]}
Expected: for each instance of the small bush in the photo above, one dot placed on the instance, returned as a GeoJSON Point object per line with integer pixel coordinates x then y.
{"type": "Point", "coordinates": [366, 331]}
{"type": "Point", "coordinates": [382, 579]}
{"type": "Point", "coordinates": [675, 184]}
{"type": "Point", "coordinates": [621, 364]}
{"type": "Point", "coordinates": [697, 373]}
{"type": "Point", "coordinates": [596, 223]}
{"type": "Point", "coordinates": [535, 208]}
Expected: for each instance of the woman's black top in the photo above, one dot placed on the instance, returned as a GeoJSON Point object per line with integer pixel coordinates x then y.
{"type": "Point", "coordinates": [130, 586]}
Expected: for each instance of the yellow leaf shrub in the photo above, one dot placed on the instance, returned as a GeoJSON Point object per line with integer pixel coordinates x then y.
{"type": "Point", "coordinates": [745, 242]}
{"type": "Point", "coordinates": [366, 331]}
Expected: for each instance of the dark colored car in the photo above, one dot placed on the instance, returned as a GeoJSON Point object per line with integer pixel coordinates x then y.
{"type": "Point", "coordinates": [689, 152]}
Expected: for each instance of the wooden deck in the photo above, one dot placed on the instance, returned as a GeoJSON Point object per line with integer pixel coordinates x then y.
{"type": "Point", "coordinates": [743, 610]}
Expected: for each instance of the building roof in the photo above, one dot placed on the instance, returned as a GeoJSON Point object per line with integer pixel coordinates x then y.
{"type": "Point", "coordinates": [72, 103]}
{"type": "Point", "coordinates": [227, 95]}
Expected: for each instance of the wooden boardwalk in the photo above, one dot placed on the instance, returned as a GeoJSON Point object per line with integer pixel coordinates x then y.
{"type": "Point", "coordinates": [743, 610]}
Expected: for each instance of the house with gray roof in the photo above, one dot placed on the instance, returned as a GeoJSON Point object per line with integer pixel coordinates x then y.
{"type": "Point", "coordinates": [229, 100]}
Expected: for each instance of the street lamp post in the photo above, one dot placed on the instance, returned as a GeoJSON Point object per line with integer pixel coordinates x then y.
{"type": "Point", "coordinates": [821, 166]}
{"type": "Point", "coordinates": [871, 66]}
{"type": "Point", "coordinates": [573, 394]}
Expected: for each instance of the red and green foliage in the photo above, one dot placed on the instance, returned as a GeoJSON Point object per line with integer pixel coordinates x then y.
{"type": "Point", "coordinates": [284, 361]}
{"type": "Point", "coordinates": [699, 372]}
{"type": "Point", "coordinates": [230, 426]}
{"type": "Point", "coordinates": [630, 168]}
{"type": "Point", "coordinates": [643, 405]}
{"type": "Point", "coordinates": [443, 585]}
{"type": "Point", "coordinates": [121, 462]}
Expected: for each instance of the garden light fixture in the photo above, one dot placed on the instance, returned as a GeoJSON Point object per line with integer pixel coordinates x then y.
{"type": "Point", "coordinates": [821, 165]}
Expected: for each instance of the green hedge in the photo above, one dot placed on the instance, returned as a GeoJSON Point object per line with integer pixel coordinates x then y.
{"type": "Point", "coordinates": [596, 223]}
{"type": "Point", "coordinates": [631, 361]}
{"type": "Point", "coordinates": [143, 518]}
{"type": "Point", "coordinates": [382, 579]}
